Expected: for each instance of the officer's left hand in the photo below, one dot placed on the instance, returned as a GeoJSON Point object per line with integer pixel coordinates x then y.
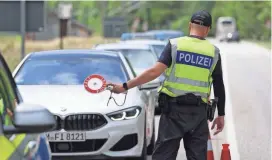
{"type": "Point", "coordinates": [117, 88]}
{"type": "Point", "coordinates": [219, 122]}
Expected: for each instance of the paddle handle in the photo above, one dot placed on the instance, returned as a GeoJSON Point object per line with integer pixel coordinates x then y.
{"type": "Point", "coordinates": [109, 87]}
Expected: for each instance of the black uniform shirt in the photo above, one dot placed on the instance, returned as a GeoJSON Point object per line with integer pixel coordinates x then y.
{"type": "Point", "coordinates": [218, 83]}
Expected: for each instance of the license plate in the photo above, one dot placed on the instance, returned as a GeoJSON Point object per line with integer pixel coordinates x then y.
{"type": "Point", "coordinates": [66, 136]}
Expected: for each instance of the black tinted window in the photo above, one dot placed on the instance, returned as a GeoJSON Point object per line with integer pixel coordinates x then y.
{"type": "Point", "coordinates": [69, 70]}
{"type": "Point", "coordinates": [227, 22]}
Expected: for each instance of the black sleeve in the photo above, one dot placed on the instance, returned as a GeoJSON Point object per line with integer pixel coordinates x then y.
{"type": "Point", "coordinates": [166, 57]}
{"type": "Point", "coordinates": [219, 88]}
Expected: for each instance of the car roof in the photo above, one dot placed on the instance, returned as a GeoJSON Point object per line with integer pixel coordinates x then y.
{"type": "Point", "coordinates": [137, 35]}
{"type": "Point", "coordinates": [122, 46]}
{"type": "Point", "coordinates": [74, 52]}
{"type": "Point", "coordinates": [163, 31]}
{"type": "Point", "coordinates": [148, 42]}
{"type": "Point", "coordinates": [220, 19]}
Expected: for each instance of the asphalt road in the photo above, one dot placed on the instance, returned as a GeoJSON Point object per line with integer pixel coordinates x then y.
{"type": "Point", "coordinates": [247, 78]}
{"type": "Point", "coordinates": [248, 68]}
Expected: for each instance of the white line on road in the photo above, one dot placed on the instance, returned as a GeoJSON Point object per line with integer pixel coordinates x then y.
{"type": "Point", "coordinates": [229, 123]}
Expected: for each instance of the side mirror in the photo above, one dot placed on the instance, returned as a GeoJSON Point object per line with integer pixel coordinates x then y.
{"type": "Point", "coordinates": [151, 85]}
{"type": "Point", "coordinates": [31, 119]}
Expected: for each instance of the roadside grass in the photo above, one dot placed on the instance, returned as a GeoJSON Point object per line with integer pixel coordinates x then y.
{"type": "Point", "coordinates": [11, 46]}
{"type": "Point", "coordinates": [266, 44]}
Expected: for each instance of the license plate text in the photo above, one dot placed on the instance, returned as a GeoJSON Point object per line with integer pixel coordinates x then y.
{"type": "Point", "coordinates": [66, 136]}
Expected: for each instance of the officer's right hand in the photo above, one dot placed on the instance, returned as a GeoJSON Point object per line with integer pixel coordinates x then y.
{"type": "Point", "coordinates": [116, 88]}
{"type": "Point", "coordinates": [219, 122]}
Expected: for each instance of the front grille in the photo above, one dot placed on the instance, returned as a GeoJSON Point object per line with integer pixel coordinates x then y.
{"type": "Point", "coordinates": [84, 122]}
{"type": "Point", "coordinates": [91, 145]}
{"type": "Point", "coordinates": [81, 122]}
{"type": "Point", "coordinates": [59, 122]}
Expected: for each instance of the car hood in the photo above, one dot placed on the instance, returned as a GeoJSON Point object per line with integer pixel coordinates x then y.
{"type": "Point", "coordinates": [75, 99]}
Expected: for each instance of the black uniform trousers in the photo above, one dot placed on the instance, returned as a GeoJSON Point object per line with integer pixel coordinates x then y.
{"type": "Point", "coordinates": [187, 122]}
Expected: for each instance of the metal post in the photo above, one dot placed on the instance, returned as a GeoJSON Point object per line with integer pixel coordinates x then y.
{"type": "Point", "coordinates": [22, 27]}
{"type": "Point", "coordinates": [149, 20]}
{"type": "Point", "coordinates": [61, 33]}
{"type": "Point", "coordinates": [104, 8]}
{"type": "Point", "coordinates": [65, 13]}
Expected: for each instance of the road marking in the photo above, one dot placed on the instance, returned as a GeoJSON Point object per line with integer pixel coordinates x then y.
{"type": "Point", "coordinates": [229, 123]}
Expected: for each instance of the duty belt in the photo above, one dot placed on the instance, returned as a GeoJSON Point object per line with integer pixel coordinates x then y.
{"type": "Point", "coordinates": [188, 99]}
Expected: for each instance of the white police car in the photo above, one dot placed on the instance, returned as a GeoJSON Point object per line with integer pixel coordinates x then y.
{"type": "Point", "coordinates": [156, 45]}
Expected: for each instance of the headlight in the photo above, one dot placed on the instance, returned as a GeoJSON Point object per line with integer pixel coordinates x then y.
{"type": "Point", "coordinates": [126, 114]}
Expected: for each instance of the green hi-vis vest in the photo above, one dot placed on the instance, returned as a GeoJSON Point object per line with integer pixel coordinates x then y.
{"type": "Point", "coordinates": [6, 119]}
{"type": "Point", "coordinates": [16, 147]}
{"type": "Point", "coordinates": [193, 61]}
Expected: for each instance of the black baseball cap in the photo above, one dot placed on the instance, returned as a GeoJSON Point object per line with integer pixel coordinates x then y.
{"type": "Point", "coordinates": [202, 18]}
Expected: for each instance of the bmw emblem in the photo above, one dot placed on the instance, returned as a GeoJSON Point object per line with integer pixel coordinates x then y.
{"type": "Point", "coordinates": [63, 109]}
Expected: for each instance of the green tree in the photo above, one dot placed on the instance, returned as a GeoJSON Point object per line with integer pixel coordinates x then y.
{"type": "Point", "coordinates": [250, 16]}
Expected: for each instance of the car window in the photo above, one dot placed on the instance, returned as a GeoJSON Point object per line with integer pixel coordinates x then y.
{"type": "Point", "coordinates": [69, 70]}
{"type": "Point", "coordinates": [131, 68]}
{"type": "Point", "coordinates": [227, 22]}
{"type": "Point", "coordinates": [140, 58]}
{"type": "Point", "coordinates": [8, 96]}
{"type": "Point", "coordinates": [158, 49]}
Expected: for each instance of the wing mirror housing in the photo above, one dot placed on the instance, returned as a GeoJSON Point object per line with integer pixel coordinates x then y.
{"type": "Point", "coordinates": [151, 85]}
{"type": "Point", "coordinates": [29, 118]}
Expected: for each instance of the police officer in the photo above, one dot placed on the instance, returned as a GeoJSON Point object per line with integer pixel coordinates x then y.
{"type": "Point", "coordinates": [191, 64]}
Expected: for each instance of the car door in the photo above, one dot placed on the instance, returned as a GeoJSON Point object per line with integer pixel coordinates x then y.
{"type": "Point", "coordinates": [8, 100]}
{"type": "Point", "coordinates": [7, 150]}
{"type": "Point", "coordinates": [17, 146]}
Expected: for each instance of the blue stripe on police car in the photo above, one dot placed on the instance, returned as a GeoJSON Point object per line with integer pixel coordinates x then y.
{"type": "Point", "coordinates": [194, 59]}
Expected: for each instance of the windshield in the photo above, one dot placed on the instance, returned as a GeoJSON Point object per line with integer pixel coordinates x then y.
{"type": "Point", "coordinates": [69, 70]}
{"type": "Point", "coordinates": [139, 59]}
{"type": "Point", "coordinates": [158, 49]}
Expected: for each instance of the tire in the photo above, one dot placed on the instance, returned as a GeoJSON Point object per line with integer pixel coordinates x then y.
{"type": "Point", "coordinates": [151, 146]}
